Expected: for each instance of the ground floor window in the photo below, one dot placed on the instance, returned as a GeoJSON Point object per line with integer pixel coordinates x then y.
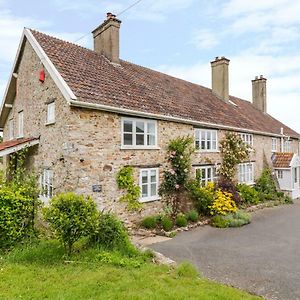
{"type": "Point", "coordinates": [47, 184]}
{"type": "Point", "coordinates": [149, 184]}
{"type": "Point", "coordinates": [206, 174]}
{"type": "Point", "coordinates": [246, 173]}
{"type": "Point", "coordinates": [279, 174]}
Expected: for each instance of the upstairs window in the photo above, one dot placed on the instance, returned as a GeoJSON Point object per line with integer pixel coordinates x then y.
{"type": "Point", "coordinates": [139, 133]}
{"type": "Point", "coordinates": [274, 144]}
{"type": "Point", "coordinates": [149, 184]}
{"type": "Point", "coordinates": [246, 173]}
{"type": "Point", "coordinates": [206, 140]}
{"type": "Point", "coordinates": [11, 129]}
{"type": "Point", "coordinates": [51, 113]}
{"type": "Point", "coordinates": [20, 124]}
{"type": "Point", "coordinates": [247, 138]}
{"type": "Point", "coordinates": [287, 146]}
{"type": "Point", "coordinates": [206, 174]}
{"type": "Point", "coordinates": [47, 184]}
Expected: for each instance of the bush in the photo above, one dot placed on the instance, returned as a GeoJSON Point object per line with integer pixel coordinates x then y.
{"type": "Point", "coordinates": [17, 213]}
{"type": "Point", "coordinates": [71, 217]}
{"type": "Point", "coordinates": [166, 223]}
{"type": "Point", "coordinates": [110, 234]}
{"type": "Point", "coordinates": [149, 222]}
{"type": "Point", "coordinates": [248, 194]}
{"type": "Point", "coordinates": [201, 196]}
{"type": "Point", "coordinates": [181, 220]}
{"type": "Point", "coordinates": [236, 219]}
{"type": "Point", "coordinates": [187, 270]}
{"type": "Point", "coordinates": [227, 185]}
{"type": "Point", "coordinates": [265, 184]}
{"type": "Point", "coordinates": [192, 216]}
{"type": "Point", "coordinates": [223, 204]}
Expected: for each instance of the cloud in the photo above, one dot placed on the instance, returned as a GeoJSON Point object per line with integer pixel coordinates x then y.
{"type": "Point", "coordinates": [205, 39]}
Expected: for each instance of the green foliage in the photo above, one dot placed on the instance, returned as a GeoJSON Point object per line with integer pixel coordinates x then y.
{"type": "Point", "coordinates": [201, 196]}
{"type": "Point", "coordinates": [187, 270]}
{"type": "Point", "coordinates": [236, 219]}
{"type": "Point", "coordinates": [115, 259]}
{"type": "Point", "coordinates": [166, 223]}
{"type": "Point", "coordinates": [233, 151]}
{"type": "Point", "coordinates": [248, 194]}
{"type": "Point", "coordinates": [71, 217]}
{"type": "Point", "coordinates": [125, 182]}
{"type": "Point", "coordinates": [176, 177]}
{"type": "Point", "coordinates": [149, 222]}
{"type": "Point", "coordinates": [111, 234]}
{"type": "Point", "coordinates": [265, 184]}
{"type": "Point", "coordinates": [181, 220]}
{"type": "Point", "coordinates": [192, 216]}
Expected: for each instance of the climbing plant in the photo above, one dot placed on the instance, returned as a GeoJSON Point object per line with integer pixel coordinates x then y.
{"type": "Point", "coordinates": [132, 194]}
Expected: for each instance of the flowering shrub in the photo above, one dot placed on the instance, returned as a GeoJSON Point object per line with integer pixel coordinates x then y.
{"type": "Point", "coordinates": [222, 204]}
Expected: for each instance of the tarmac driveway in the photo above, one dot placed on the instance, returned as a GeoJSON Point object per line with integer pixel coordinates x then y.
{"type": "Point", "coordinates": [262, 257]}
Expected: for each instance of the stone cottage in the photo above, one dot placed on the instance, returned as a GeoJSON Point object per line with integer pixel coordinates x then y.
{"type": "Point", "coordinates": [84, 114]}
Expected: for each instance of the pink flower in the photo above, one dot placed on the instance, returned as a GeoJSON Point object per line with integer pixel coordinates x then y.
{"type": "Point", "coordinates": [172, 171]}
{"type": "Point", "coordinates": [173, 152]}
{"type": "Point", "coordinates": [177, 186]}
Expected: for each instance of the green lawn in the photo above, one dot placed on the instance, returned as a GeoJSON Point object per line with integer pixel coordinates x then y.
{"type": "Point", "coordinates": [41, 273]}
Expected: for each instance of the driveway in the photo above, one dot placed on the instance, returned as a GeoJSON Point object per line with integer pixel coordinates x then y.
{"type": "Point", "coordinates": [262, 257]}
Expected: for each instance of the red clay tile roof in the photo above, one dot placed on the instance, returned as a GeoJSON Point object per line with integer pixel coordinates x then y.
{"type": "Point", "coordinates": [282, 160]}
{"type": "Point", "coordinates": [93, 79]}
{"type": "Point", "coordinates": [13, 143]}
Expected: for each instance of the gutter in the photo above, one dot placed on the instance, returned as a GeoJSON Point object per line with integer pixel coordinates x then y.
{"type": "Point", "coordinates": [119, 110]}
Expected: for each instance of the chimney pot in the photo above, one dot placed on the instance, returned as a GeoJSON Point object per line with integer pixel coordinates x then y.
{"type": "Point", "coordinates": [259, 93]}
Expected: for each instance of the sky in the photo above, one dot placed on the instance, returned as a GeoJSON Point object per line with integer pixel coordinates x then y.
{"type": "Point", "coordinates": [180, 37]}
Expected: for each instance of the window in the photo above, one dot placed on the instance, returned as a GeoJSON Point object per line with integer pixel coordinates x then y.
{"type": "Point", "coordinates": [287, 146]}
{"type": "Point", "coordinates": [279, 174]}
{"type": "Point", "coordinates": [274, 145]}
{"type": "Point", "coordinates": [20, 124]}
{"type": "Point", "coordinates": [11, 129]}
{"type": "Point", "coordinates": [149, 184]}
{"type": "Point", "coordinates": [295, 171]}
{"type": "Point", "coordinates": [51, 113]}
{"type": "Point", "coordinates": [47, 184]}
{"type": "Point", "coordinates": [206, 140]}
{"type": "Point", "coordinates": [247, 138]}
{"type": "Point", "coordinates": [206, 174]}
{"type": "Point", "coordinates": [245, 173]}
{"type": "Point", "coordinates": [139, 133]}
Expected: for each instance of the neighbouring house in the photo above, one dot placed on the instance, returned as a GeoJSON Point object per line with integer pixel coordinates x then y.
{"type": "Point", "coordinates": [84, 114]}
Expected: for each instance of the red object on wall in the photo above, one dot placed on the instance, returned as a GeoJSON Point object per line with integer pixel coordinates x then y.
{"type": "Point", "coordinates": [42, 76]}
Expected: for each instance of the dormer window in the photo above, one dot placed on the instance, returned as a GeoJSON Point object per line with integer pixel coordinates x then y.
{"type": "Point", "coordinates": [51, 113]}
{"type": "Point", "coordinates": [20, 124]}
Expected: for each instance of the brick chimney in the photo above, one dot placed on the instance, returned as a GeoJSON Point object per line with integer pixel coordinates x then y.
{"type": "Point", "coordinates": [259, 93]}
{"type": "Point", "coordinates": [106, 38]}
{"type": "Point", "coordinates": [220, 77]}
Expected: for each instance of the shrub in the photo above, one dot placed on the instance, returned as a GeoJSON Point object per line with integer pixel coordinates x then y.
{"type": "Point", "coordinates": [201, 196]}
{"type": "Point", "coordinates": [149, 222]}
{"type": "Point", "coordinates": [227, 185]}
{"type": "Point", "coordinates": [71, 217]}
{"type": "Point", "coordinates": [17, 212]}
{"type": "Point", "coordinates": [166, 223]}
{"type": "Point", "coordinates": [223, 204]}
{"type": "Point", "coordinates": [265, 184]}
{"type": "Point", "coordinates": [110, 234]}
{"type": "Point", "coordinates": [248, 194]}
{"type": "Point", "coordinates": [186, 269]}
{"type": "Point", "coordinates": [181, 220]}
{"type": "Point", "coordinates": [192, 216]}
{"type": "Point", "coordinates": [236, 219]}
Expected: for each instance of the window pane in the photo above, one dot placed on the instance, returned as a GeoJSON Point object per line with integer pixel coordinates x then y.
{"type": "Point", "coordinates": [127, 139]}
{"type": "Point", "coordinates": [153, 189]}
{"type": "Point", "coordinates": [144, 190]}
{"type": "Point", "coordinates": [153, 175]}
{"type": "Point", "coordinates": [203, 145]}
{"type": "Point", "coordinates": [213, 135]}
{"type": "Point", "coordinates": [209, 175]}
{"type": "Point", "coordinates": [197, 144]}
{"type": "Point", "coordinates": [144, 176]}
{"type": "Point", "coordinates": [150, 140]}
{"type": "Point", "coordinates": [214, 145]}
{"type": "Point", "coordinates": [151, 128]}
{"type": "Point", "coordinates": [140, 127]}
{"type": "Point", "coordinates": [127, 126]}
{"type": "Point", "coordinates": [209, 145]}
{"type": "Point", "coordinates": [139, 139]}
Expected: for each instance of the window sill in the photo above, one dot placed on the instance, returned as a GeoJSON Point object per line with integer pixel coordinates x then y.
{"type": "Point", "coordinates": [49, 123]}
{"type": "Point", "coordinates": [207, 151]}
{"type": "Point", "coordinates": [20, 137]}
{"type": "Point", "coordinates": [149, 199]}
{"type": "Point", "coordinates": [140, 148]}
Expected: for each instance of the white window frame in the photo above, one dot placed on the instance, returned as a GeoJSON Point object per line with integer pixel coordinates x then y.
{"type": "Point", "coordinates": [206, 179]}
{"type": "Point", "coordinates": [206, 132]}
{"type": "Point", "coordinates": [274, 144]}
{"type": "Point", "coordinates": [134, 134]}
{"type": "Point", "coordinates": [247, 138]}
{"type": "Point", "coordinates": [11, 129]}
{"type": "Point", "coordinates": [21, 124]}
{"type": "Point", "coordinates": [46, 182]}
{"type": "Point", "coordinates": [148, 184]}
{"type": "Point", "coordinates": [50, 113]}
{"type": "Point", "coordinates": [244, 176]}
{"type": "Point", "coordinates": [287, 146]}
{"type": "Point", "coordinates": [280, 174]}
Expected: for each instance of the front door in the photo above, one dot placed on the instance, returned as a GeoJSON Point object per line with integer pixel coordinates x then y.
{"type": "Point", "coordinates": [296, 177]}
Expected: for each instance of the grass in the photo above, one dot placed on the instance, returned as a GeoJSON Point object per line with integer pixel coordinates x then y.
{"type": "Point", "coordinates": [40, 272]}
